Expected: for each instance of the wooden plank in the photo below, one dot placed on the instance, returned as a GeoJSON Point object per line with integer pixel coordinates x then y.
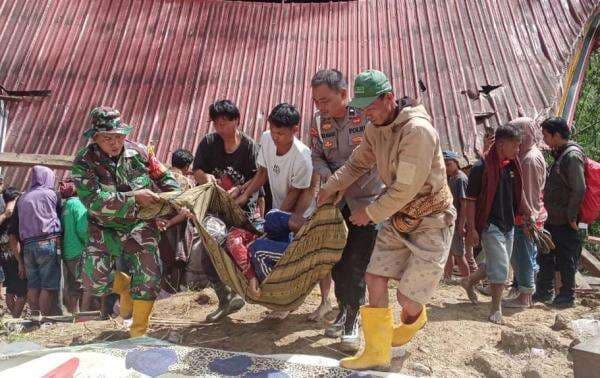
{"type": "Point", "coordinates": [10, 98]}
{"type": "Point", "coordinates": [581, 282]}
{"type": "Point", "coordinates": [590, 262]}
{"type": "Point", "coordinates": [29, 160]}
{"type": "Point", "coordinates": [593, 281]}
{"type": "Point", "coordinates": [593, 239]}
{"type": "Point", "coordinates": [586, 358]}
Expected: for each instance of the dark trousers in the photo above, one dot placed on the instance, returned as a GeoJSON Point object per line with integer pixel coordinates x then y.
{"type": "Point", "coordinates": [564, 258]}
{"type": "Point", "coordinates": [349, 273]}
{"type": "Point", "coordinates": [209, 269]}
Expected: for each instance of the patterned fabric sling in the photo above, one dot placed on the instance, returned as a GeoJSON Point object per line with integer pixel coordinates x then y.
{"type": "Point", "coordinates": [316, 248]}
{"type": "Point", "coordinates": [411, 215]}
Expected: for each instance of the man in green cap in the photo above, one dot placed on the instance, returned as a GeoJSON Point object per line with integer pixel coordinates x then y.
{"type": "Point", "coordinates": [416, 211]}
{"type": "Point", "coordinates": [114, 177]}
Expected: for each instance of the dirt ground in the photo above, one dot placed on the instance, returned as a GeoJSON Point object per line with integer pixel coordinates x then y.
{"type": "Point", "coordinates": [458, 341]}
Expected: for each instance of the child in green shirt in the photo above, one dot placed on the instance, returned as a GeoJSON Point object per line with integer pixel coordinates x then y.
{"type": "Point", "coordinates": [75, 238]}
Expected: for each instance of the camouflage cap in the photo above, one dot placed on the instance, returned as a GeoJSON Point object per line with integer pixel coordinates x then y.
{"type": "Point", "coordinates": [106, 120]}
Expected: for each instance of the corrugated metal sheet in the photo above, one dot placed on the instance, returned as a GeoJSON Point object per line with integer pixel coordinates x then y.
{"type": "Point", "coordinates": [3, 124]}
{"type": "Point", "coordinates": [163, 62]}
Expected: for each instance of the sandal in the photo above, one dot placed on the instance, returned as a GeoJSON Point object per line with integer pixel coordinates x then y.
{"type": "Point", "coordinates": [464, 282]}
{"type": "Point", "coordinates": [496, 317]}
{"type": "Point", "coordinates": [514, 303]}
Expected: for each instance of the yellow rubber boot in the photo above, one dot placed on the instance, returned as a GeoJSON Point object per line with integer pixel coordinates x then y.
{"type": "Point", "coordinates": [121, 285]}
{"type": "Point", "coordinates": [121, 282]}
{"type": "Point", "coordinates": [125, 304]}
{"type": "Point", "coordinates": [141, 316]}
{"type": "Point", "coordinates": [405, 332]}
{"type": "Point", "coordinates": [377, 327]}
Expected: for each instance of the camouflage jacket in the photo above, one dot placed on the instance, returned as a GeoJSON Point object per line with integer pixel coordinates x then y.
{"type": "Point", "coordinates": [106, 186]}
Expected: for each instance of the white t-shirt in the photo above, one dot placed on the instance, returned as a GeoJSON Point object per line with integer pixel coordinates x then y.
{"type": "Point", "coordinates": [294, 169]}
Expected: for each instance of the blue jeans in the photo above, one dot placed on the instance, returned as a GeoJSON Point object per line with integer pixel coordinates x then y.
{"type": "Point", "coordinates": [523, 261]}
{"type": "Point", "coordinates": [42, 264]}
{"type": "Point", "coordinates": [497, 246]}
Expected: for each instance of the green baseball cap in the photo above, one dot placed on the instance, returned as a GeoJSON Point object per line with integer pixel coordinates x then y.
{"type": "Point", "coordinates": [368, 85]}
{"type": "Point", "coordinates": [106, 120]}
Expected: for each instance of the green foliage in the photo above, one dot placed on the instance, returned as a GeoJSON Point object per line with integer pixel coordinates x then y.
{"type": "Point", "coordinates": [587, 117]}
{"type": "Point", "coordinates": [587, 114]}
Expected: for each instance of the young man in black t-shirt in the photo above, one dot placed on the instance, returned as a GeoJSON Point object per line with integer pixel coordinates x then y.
{"type": "Point", "coordinates": [227, 157]}
{"type": "Point", "coordinates": [494, 195]}
{"type": "Point", "coordinates": [457, 181]}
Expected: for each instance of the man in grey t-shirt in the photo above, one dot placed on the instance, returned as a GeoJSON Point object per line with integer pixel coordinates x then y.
{"type": "Point", "coordinates": [457, 181]}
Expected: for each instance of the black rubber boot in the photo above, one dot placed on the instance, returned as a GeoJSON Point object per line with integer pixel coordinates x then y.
{"type": "Point", "coordinates": [229, 302]}
{"type": "Point", "coordinates": [335, 329]}
{"type": "Point", "coordinates": [350, 341]}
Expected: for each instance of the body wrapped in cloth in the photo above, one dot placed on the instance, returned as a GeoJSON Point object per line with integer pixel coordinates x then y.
{"type": "Point", "coordinates": [316, 248]}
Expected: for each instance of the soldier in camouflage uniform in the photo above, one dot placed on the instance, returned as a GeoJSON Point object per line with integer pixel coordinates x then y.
{"type": "Point", "coordinates": [114, 177]}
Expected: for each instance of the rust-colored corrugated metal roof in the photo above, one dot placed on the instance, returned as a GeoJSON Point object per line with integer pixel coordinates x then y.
{"type": "Point", "coordinates": [163, 62]}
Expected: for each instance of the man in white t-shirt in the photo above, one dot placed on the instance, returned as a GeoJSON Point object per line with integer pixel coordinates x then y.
{"type": "Point", "coordinates": [285, 162]}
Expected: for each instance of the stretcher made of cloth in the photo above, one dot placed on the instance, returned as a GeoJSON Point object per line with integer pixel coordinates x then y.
{"type": "Point", "coordinates": [316, 248]}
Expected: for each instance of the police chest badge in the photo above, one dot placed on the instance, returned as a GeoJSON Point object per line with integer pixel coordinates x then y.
{"type": "Point", "coordinates": [356, 120]}
{"type": "Point", "coordinates": [356, 135]}
{"type": "Point", "coordinates": [326, 126]}
{"type": "Point", "coordinates": [357, 139]}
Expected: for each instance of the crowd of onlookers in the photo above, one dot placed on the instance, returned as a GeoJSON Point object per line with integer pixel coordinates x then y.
{"type": "Point", "coordinates": [44, 231]}
{"type": "Point", "coordinates": [508, 196]}
{"type": "Point", "coordinates": [31, 244]}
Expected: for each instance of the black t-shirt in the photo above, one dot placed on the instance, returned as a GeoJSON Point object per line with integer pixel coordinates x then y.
{"type": "Point", "coordinates": [503, 207]}
{"type": "Point", "coordinates": [8, 227]}
{"type": "Point", "coordinates": [13, 224]}
{"type": "Point", "coordinates": [458, 186]}
{"type": "Point", "coordinates": [232, 169]}
{"type": "Point", "coordinates": [3, 230]}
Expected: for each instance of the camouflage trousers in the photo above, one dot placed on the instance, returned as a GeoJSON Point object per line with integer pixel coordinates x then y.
{"type": "Point", "coordinates": [139, 249]}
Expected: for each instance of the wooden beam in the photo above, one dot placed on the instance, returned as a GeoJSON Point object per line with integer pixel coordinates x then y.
{"type": "Point", "coordinates": [590, 262]}
{"type": "Point", "coordinates": [11, 98]}
{"type": "Point", "coordinates": [586, 358]}
{"type": "Point", "coordinates": [29, 160]}
{"type": "Point", "coordinates": [593, 239]}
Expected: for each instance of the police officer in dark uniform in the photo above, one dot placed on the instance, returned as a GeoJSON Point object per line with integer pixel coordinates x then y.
{"type": "Point", "coordinates": [335, 131]}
